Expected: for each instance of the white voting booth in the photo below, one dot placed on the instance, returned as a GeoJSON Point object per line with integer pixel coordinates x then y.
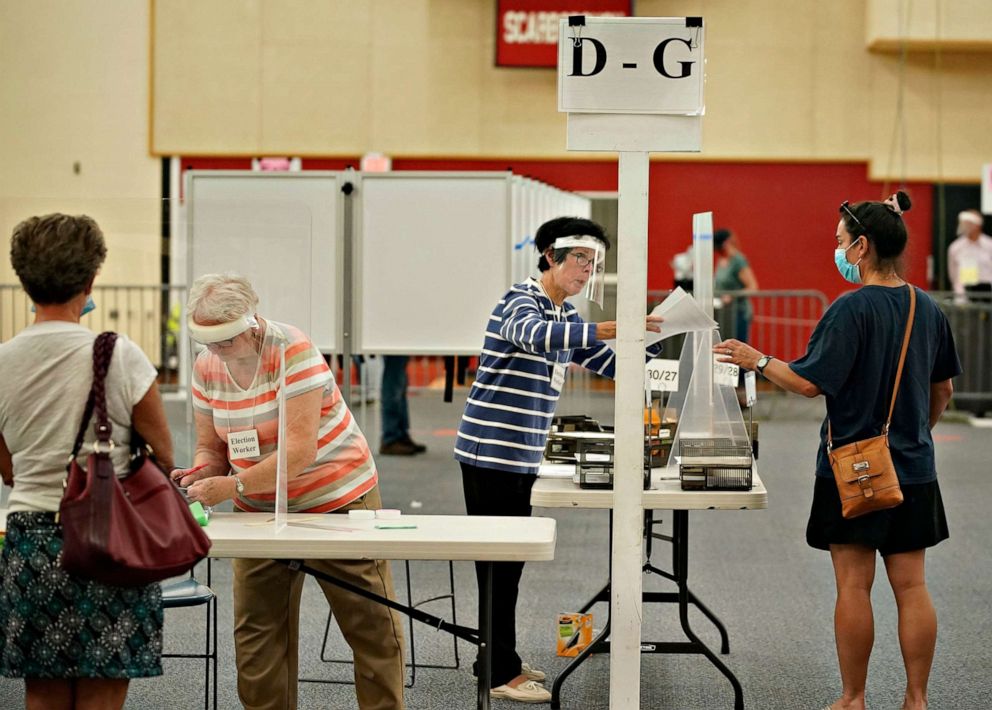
{"type": "Point", "coordinates": [404, 263]}
{"type": "Point", "coordinates": [433, 252]}
{"type": "Point", "coordinates": [633, 86]}
{"type": "Point", "coordinates": [281, 230]}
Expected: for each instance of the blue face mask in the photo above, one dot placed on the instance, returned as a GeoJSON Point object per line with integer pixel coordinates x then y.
{"type": "Point", "coordinates": [88, 306]}
{"type": "Point", "coordinates": [849, 271]}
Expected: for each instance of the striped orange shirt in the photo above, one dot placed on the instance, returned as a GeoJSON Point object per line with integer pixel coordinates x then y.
{"type": "Point", "coordinates": [343, 469]}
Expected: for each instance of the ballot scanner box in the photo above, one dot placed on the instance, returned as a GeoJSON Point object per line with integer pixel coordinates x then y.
{"type": "Point", "coordinates": [715, 464]}
{"type": "Point", "coordinates": [594, 457]}
{"type": "Point", "coordinates": [584, 443]}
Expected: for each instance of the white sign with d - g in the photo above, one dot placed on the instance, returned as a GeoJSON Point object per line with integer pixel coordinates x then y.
{"type": "Point", "coordinates": [650, 65]}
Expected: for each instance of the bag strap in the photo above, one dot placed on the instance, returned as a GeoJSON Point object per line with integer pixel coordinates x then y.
{"type": "Point", "coordinates": [902, 355]}
{"type": "Point", "coordinates": [103, 352]}
{"type": "Point", "coordinates": [902, 361]}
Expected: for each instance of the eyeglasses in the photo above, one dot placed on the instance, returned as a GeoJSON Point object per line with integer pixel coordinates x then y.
{"type": "Point", "coordinates": [845, 206]}
{"type": "Point", "coordinates": [583, 261]}
{"type": "Point", "coordinates": [220, 344]}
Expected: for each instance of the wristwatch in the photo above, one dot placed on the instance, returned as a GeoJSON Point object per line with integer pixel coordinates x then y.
{"type": "Point", "coordinates": [763, 363]}
{"type": "Point", "coordinates": [239, 485]}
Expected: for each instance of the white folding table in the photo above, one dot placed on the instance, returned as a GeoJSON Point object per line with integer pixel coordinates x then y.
{"type": "Point", "coordinates": [665, 493]}
{"type": "Point", "coordinates": [485, 539]}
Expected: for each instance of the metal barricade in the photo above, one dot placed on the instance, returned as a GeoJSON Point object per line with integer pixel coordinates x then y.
{"type": "Point", "coordinates": [971, 326]}
{"type": "Point", "coordinates": [148, 315]}
{"type": "Point", "coordinates": [779, 323]}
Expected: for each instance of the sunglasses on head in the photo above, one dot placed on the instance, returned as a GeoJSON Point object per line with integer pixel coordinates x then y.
{"type": "Point", "coordinates": [845, 205]}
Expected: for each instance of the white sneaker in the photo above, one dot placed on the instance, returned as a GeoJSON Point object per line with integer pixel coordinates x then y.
{"type": "Point", "coordinates": [532, 673]}
{"type": "Point", "coordinates": [527, 692]}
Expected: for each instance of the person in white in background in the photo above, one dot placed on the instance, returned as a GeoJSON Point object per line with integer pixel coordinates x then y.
{"type": "Point", "coordinates": [969, 258]}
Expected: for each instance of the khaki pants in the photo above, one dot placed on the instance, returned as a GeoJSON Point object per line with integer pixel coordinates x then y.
{"type": "Point", "coordinates": [267, 619]}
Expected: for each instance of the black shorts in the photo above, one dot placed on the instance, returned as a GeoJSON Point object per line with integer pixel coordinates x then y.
{"type": "Point", "coordinates": [918, 522]}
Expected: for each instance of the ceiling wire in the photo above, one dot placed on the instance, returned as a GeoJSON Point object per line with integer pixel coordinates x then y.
{"type": "Point", "coordinates": [899, 125]}
{"type": "Point", "coordinates": [941, 209]}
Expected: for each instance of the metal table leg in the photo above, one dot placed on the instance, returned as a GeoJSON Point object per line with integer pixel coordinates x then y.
{"type": "Point", "coordinates": [485, 635]}
{"type": "Point", "coordinates": [681, 560]}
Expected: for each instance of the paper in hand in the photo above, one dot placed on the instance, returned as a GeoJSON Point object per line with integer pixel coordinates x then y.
{"type": "Point", "coordinates": [682, 315]}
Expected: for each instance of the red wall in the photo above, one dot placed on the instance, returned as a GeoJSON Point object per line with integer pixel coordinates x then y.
{"type": "Point", "coordinates": [785, 214]}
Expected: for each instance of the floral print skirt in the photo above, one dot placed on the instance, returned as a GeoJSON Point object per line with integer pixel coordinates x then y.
{"type": "Point", "coordinates": [56, 625]}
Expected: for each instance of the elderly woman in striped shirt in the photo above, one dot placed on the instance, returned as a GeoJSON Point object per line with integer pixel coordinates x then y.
{"type": "Point", "coordinates": [532, 336]}
{"type": "Point", "coordinates": [329, 468]}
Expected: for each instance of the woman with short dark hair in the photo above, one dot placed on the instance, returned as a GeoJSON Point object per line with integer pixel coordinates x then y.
{"type": "Point", "coordinates": [531, 339]}
{"type": "Point", "coordinates": [852, 360]}
{"type": "Point", "coordinates": [76, 642]}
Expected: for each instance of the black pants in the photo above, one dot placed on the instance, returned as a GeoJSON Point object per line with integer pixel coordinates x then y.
{"type": "Point", "coordinates": [492, 492]}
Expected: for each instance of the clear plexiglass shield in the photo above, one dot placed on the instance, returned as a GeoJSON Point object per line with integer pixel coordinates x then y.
{"type": "Point", "coordinates": [238, 375]}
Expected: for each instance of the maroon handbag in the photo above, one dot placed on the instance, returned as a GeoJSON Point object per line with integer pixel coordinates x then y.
{"type": "Point", "coordinates": [123, 532]}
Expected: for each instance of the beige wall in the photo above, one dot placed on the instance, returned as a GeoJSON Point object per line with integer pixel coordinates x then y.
{"type": "Point", "coordinates": [953, 25]}
{"type": "Point", "coordinates": [74, 88]}
{"type": "Point", "coordinates": [785, 81]}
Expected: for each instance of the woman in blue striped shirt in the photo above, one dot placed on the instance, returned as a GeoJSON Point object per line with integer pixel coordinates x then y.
{"type": "Point", "coordinates": [532, 336]}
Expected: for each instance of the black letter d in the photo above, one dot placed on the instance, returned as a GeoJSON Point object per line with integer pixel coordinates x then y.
{"type": "Point", "coordinates": [577, 57]}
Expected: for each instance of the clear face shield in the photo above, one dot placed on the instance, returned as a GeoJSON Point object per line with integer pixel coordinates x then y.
{"type": "Point", "coordinates": [591, 259]}
{"type": "Point", "coordinates": [234, 341]}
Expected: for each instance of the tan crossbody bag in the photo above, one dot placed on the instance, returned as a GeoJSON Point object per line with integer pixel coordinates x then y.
{"type": "Point", "coordinates": [866, 478]}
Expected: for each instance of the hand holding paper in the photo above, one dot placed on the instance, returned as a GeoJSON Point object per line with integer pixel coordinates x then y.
{"type": "Point", "coordinates": [679, 313]}
{"type": "Point", "coordinates": [607, 330]}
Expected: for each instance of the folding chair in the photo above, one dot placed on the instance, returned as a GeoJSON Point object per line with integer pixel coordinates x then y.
{"type": "Point", "coordinates": [188, 593]}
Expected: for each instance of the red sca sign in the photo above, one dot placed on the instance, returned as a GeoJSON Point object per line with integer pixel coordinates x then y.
{"type": "Point", "coordinates": [527, 30]}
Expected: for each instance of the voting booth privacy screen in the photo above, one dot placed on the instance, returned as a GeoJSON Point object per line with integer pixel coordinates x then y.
{"type": "Point", "coordinates": [282, 231]}
{"type": "Point", "coordinates": [431, 253]}
{"type": "Point", "coordinates": [413, 260]}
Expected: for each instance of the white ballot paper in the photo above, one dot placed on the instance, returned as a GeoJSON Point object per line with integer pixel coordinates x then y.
{"type": "Point", "coordinates": [682, 315]}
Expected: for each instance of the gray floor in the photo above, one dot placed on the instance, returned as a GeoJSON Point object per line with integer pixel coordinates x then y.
{"type": "Point", "coordinates": [753, 569]}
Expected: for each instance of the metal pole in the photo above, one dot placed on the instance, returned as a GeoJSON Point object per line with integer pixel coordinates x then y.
{"type": "Point", "coordinates": [347, 284]}
{"type": "Point", "coordinates": [625, 590]}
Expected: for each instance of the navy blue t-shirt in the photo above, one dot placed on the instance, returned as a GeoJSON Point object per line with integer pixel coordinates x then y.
{"type": "Point", "coordinates": [853, 355]}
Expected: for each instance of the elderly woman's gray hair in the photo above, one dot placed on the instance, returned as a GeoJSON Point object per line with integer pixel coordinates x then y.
{"type": "Point", "coordinates": [221, 298]}
{"type": "Point", "coordinates": [56, 256]}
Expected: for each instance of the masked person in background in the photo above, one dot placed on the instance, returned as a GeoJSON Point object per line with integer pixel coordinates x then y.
{"type": "Point", "coordinates": [235, 390]}
{"type": "Point", "coordinates": [76, 642]}
{"type": "Point", "coordinates": [533, 335]}
{"type": "Point", "coordinates": [851, 359]}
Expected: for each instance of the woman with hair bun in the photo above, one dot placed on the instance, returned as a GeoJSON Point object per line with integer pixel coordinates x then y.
{"type": "Point", "coordinates": [852, 359]}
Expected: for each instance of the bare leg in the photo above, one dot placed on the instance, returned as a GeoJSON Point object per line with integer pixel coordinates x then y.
{"type": "Point", "coordinates": [917, 623]}
{"type": "Point", "coordinates": [854, 625]}
{"type": "Point", "coordinates": [100, 693]}
{"type": "Point", "coordinates": [47, 694]}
